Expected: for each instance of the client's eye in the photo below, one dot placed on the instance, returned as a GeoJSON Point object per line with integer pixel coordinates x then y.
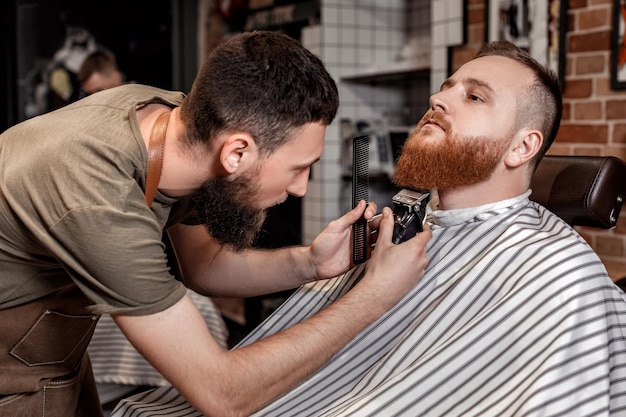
{"type": "Point", "coordinates": [474, 97]}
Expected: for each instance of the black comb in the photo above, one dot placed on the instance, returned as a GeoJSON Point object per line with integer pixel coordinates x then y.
{"type": "Point", "coordinates": [360, 191]}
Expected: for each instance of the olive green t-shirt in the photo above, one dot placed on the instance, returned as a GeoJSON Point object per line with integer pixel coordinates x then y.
{"type": "Point", "coordinates": [72, 207]}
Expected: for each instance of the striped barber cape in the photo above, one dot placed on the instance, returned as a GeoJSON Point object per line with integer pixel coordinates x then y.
{"type": "Point", "coordinates": [515, 316]}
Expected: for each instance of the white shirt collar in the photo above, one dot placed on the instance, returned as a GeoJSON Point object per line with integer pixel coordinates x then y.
{"type": "Point", "coordinates": [457, 216]}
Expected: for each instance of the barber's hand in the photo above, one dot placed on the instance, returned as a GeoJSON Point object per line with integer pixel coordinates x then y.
{"type": "Point", "coordinates": [331, 250]}
{"type": "Point", "coordinates": [393, 270]}
{"type": "Point", "coordinates": [373, 225]}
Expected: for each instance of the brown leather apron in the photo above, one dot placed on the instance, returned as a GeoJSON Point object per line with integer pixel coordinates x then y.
{"type": "Point", "coordinates": [44, 369]}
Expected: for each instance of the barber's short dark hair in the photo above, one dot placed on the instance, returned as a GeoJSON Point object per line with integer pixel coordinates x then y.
{"type": "Point", "coordinates": [541, 107]}
{"type": "Point", "coordinates": [264, 83]}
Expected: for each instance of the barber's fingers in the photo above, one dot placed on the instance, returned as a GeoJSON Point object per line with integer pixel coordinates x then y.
{"type": "Point", "coordinates": [351, 216]}
{"type": "Point", "coordinates": [363, 208]}
{"type": "Point", "coordinates": [385, 230]}
{"type": "Point", "coordinates": [370, 210]}
{"type": "Point", "coordinates": [421, 238]}
{"type": "Point", "coordinates": [372, 227]}
{"type": "Point", "coordinates": [374, 222]}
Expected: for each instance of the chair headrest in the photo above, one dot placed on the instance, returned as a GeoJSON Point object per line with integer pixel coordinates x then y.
{"type": "Point", "coordinates": [582, 190]}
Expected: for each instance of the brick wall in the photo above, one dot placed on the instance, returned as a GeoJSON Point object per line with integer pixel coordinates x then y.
{"type": "Point", "coordinates": [594, 116]}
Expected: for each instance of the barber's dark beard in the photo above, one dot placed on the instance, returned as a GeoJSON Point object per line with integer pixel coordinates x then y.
{"type": "Point", "coordinates": [226, 209]}
{"type": "Point", "coordinates": [452, 161]}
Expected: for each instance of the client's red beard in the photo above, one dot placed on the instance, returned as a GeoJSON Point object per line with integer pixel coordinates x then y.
{"type": "Point", "coordinates": [448, 161]}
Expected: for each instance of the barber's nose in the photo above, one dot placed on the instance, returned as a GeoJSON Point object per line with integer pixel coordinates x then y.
{"type": "Point", "coordinates": [298, 186]}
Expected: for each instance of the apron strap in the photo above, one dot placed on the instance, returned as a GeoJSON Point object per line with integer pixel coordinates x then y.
{"type": "Point", "coordinates": [155, 156]}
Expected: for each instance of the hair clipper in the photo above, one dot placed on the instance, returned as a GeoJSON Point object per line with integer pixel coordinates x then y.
{"type": "Point", "coordinates": [409, 212]}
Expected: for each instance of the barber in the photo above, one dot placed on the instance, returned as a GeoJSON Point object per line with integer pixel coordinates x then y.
{"type": "Point", "coordinates": [86, 192]}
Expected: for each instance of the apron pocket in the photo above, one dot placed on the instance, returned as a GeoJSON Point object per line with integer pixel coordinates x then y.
{"type": "Point", "coordinates": [55, 338]}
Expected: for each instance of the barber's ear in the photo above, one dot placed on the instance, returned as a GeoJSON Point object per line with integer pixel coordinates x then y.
{"type": "Point", "coordinates": [525, 146]}
{"type": "Point", "coordinates": [238, 150]}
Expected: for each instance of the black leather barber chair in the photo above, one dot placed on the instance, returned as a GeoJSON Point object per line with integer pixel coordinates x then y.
{"type": "Point", "coordinates": [582, 190]}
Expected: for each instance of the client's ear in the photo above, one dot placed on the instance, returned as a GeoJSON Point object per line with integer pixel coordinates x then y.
{"type": "Point", "coordinates": [524, 147]}
{"type": "Point", "coordinates": [238, 150]}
